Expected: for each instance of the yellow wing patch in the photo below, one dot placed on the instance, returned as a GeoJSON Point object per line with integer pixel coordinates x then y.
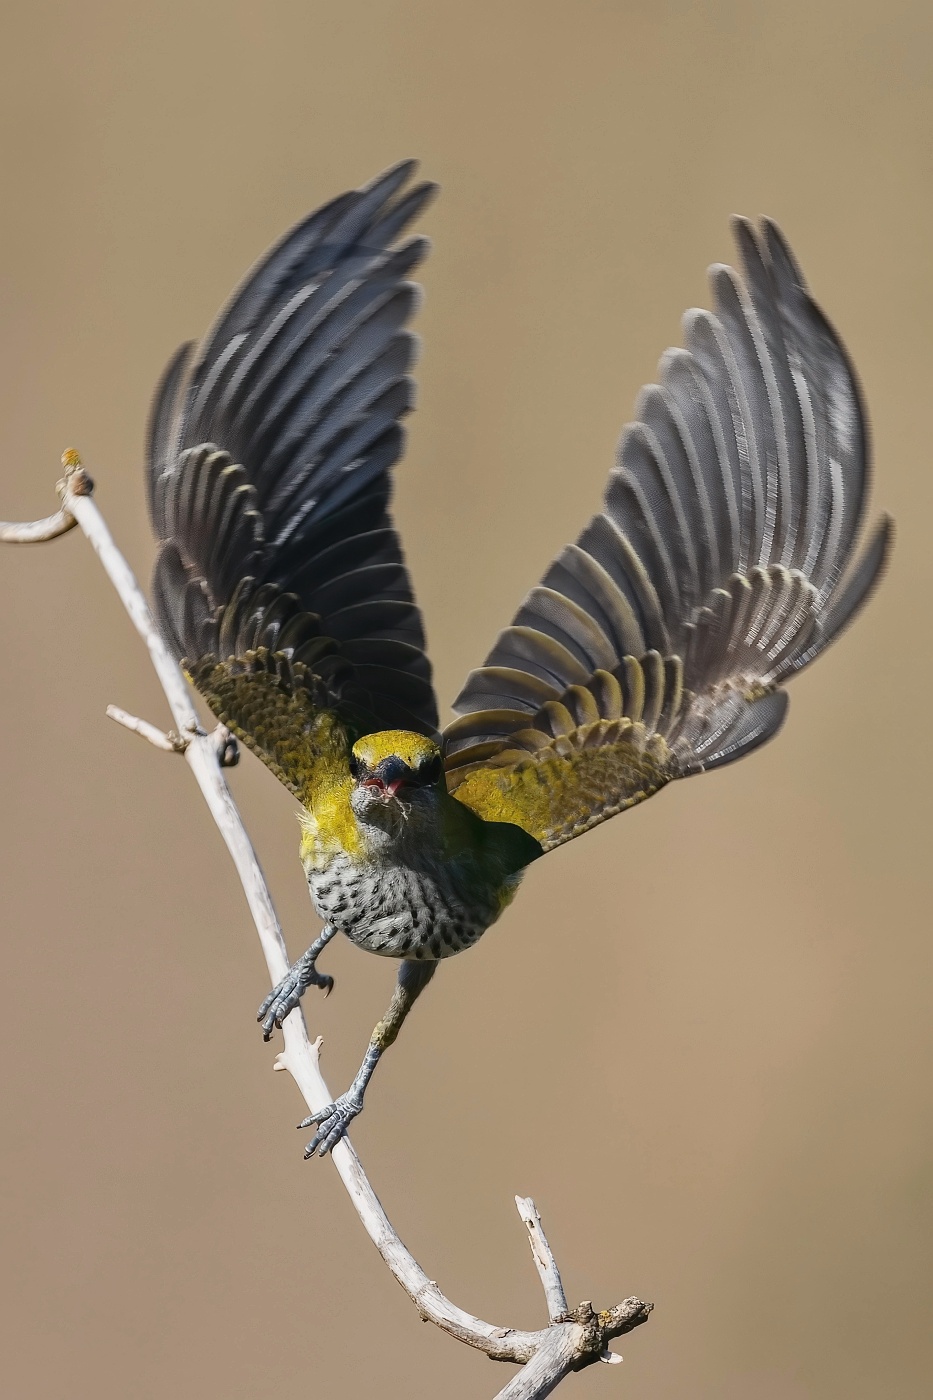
{"type": "Point", "coordinates": [304, 744]}
{"type": "Point", "coordinates": [557, 793]}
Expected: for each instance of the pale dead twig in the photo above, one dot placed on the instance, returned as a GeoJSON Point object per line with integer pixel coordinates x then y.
{"type": "Point", "coordinates": [37, 531]}
{"type": "Point", "coordinates": [170, 743]}
{"type": "Point", "coordinates": [574, 1337]}
{"type": "Point", "coordinates": [544, 1259]}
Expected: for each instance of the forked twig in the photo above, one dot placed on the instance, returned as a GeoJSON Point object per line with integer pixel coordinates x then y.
{"type": "Point", "coordinates": [574, 1337]}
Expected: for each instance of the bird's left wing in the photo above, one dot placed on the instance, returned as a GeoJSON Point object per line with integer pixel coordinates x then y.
{"type": "Point", "coordinates": [723, 562]}
{"type": "Point", "coordinates": [280, 578]}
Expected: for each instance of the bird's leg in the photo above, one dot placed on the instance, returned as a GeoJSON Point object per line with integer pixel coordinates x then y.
{"type": "Point", "coordinates": [301, 975]}
{"type": "Point", "coordinates": [332, 1122]}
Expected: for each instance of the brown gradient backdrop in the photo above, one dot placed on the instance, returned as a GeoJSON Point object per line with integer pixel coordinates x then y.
{"type": "Point", "coordinates": [701, 1039]}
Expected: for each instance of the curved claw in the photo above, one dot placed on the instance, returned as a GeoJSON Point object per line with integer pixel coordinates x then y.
{"type": "Point", "coordinates": [285, 997]}
{"type": "Point", "coordinates": [280, 1001]}
{"type": "Point", "coordinates": [332, 1123]}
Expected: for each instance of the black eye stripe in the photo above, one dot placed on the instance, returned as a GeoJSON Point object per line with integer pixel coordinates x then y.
{"type": "Point", "coordinates": [429, 770]}
{"type": "Point", "coordinates": [425, 774]}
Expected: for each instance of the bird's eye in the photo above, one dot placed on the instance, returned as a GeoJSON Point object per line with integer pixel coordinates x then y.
{"type": "Point", "coordinates": [429, 772]}
{"type": "Point", "coordinates": [356, 765]}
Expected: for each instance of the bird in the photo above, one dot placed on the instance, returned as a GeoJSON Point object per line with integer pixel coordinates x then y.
{"type": "Point", "coordinates": [727, 554]}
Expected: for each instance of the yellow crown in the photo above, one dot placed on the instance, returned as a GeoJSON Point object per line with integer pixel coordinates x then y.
{"type": "Point", "coordinates": [412, 749]}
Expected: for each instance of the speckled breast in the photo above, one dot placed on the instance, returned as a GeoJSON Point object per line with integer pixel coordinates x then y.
{"type": "Point", "coordinates": [402, 912]}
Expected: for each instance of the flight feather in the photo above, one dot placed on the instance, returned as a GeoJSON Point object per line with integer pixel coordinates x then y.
{"type": "Point", "coordinates": [280, 579]}
{"type": "Point", "coordinates": [722, 562]}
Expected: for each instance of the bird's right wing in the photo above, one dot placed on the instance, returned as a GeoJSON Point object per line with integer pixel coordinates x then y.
{"type": "Point", "coordinates": [720, 565]}
{"type": "Point", "coordinates": [280, 578]}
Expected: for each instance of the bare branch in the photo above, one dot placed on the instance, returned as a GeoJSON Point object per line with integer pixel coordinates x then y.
{"type": "Point", "coordinates": [553, 1360]}
{"type": "Point", "coordinates": [36, 531]}
{"type": "Point", "coordinates": [574, 1338]}
{"type": "Point", "coordinates": [228, 754]}
{"type": "Point", "coordinates": [145, 730]}
{"type": "Point", "coordinates": [544, 1259]}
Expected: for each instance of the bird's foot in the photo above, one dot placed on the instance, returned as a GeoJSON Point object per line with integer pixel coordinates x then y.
{"type": "Point", "coordinates": [332, 1123]}
{"type": "Point", "coordinates": [286, 996]}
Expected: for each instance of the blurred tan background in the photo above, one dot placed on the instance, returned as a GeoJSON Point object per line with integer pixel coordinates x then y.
{"type": "Point", "coordinates": [701, 1039]}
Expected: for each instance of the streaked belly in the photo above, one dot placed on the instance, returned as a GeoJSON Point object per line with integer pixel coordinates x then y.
{"type": "Point", "coordinates": [399, 912]}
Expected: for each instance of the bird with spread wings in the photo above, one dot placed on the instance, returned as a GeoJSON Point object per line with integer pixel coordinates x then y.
{"type": "Point", "coordinates": [656, 646]}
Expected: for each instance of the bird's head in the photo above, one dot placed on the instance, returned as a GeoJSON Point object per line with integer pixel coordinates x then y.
{"type": "Point", "coordinates": [395, 775]}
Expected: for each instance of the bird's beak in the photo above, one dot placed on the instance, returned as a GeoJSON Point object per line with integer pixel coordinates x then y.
{"type": "Point", "coordinates": [389, 789]}
{"type": "Point", "coordinates": [389, 777]}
